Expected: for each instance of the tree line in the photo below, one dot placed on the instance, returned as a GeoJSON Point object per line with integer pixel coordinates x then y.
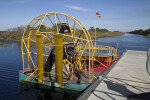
{"type": "Point", "coordinates": [98, 29]}
{"type": "Point", "coordinates": [12, 33]}
{"type": "Point", "coordinates": [16, 33]}
{"type": "Point", "coordinates": [142, 32]}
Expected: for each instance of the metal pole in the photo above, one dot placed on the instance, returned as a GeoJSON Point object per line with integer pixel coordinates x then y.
{"type": "Point", "coordinates": [95, 30]}
{"type": "Point", "coordinates": [117, 48]}
{"type": "Point", "coordinates": [59, 59]}
{"type": "Point", "coordinates": [39, 56]}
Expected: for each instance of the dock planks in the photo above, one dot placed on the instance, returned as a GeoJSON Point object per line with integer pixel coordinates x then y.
{"type": "Point", "coordinates": [127, 80]}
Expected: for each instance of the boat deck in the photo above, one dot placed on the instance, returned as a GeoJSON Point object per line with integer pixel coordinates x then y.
{"type": "Point", "coordinates": [127, 80]}
{"type": "Point", "coordinates": [99, 54]}
{"type": "Point", "coordinates": [74, 78]}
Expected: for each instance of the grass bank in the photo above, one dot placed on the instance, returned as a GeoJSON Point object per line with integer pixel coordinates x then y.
{"type": "Point", "coordinates": [142, 32]}
{"type": "Point", "coordinates": [16, 36]}
{"type": "Point", "coordinates": [3, 44]}
{"type": "Point", "coordinates": [100, 34]}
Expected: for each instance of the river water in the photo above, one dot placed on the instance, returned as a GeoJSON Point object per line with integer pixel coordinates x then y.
{"type": "Point", "coordinates": [11, 63]}
{"type": "Point", "coordinates": [130, 42]}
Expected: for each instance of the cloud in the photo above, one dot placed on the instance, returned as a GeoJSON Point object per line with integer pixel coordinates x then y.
{"type": "Point", "coordinates": [77, 8]}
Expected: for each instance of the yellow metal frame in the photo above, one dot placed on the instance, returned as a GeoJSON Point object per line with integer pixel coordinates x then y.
{"type": "Point", "coordinates": [45, 41]}
{"type": "Point", "coordinates": [59, 59]}
{"type": "Point", "coordinates": [39, 56]}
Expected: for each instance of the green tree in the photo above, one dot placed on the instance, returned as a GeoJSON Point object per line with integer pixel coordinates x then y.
{"type": "Point", "coordinates": [91, 28]}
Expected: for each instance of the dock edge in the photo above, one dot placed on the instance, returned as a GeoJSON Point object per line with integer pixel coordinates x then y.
{"type": "Point", "coordinates": [97, 81]}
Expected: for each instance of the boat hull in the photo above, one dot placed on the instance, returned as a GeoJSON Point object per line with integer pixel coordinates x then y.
{"type": "Point", "coordinates": [68, 88]}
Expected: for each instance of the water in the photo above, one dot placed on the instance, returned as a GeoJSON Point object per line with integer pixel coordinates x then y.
{"type": "Point", "coordinates": [11, 63]}
{"type": "Point", "coordinates": [130, 42]}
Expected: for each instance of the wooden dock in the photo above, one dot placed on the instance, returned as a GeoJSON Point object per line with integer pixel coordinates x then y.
{"type": "Point", "coordinates": [127, 80]}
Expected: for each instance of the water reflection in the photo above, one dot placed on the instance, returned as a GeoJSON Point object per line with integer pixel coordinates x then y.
{"type": "Point", "coordinates": [35, 92]}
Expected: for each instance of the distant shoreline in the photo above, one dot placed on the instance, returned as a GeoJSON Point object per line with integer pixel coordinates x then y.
{"type": "Point", "coordinates": [3, 44]}
{"type": "Point", "coordinates": [15, 34]}
{"type": "Point", "coordinates": [141, 32]}
{"type": "Point", "coordinates": [99, 34]}
{"type": "Point", "coordinates": [105, 34]}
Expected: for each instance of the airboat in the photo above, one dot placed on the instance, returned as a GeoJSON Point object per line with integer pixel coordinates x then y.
{"type": "Point", "coordinates": [58, 52]}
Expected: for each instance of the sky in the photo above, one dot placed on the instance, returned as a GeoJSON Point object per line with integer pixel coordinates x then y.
{"type": "Point", "coordinates": [117, 15]}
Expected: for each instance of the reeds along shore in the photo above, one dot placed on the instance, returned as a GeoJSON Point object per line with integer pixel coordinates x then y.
{"type": "Point", "coordinates": [141, 32]}
{"type": "Point", "coordinates": [15, 34]}
{"type": "Point", "coordinates": [3, 44]}
{"type": "Point", "coordinates": [100, 34]}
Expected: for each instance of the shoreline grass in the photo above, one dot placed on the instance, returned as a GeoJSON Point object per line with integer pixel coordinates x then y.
{"type": "Point", "coordinates": [142, 32]}
{"type": "Point", "coordinates": [16, 36]}
{"type": "Point", "coordinates": [105, 34]}
{"type": "Point", "coordinates": [3, 44]}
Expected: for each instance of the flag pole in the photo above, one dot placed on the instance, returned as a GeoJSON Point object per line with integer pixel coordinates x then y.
{"type": "Point", "coordinates": [95, 29]}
